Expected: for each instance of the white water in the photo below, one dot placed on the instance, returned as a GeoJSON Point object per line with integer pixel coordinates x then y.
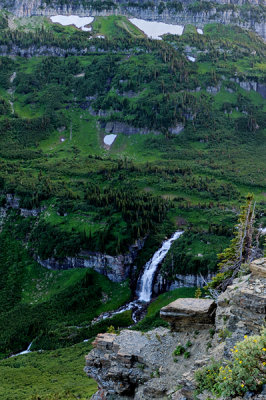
{"type": "Point", "coordinates": [145, 285]}
{"type": "Point", "coordinates": [79, 22]}
{"type": "Point", "coordinates": [154, 29]}
{"type": "Point", "coordinates": [23, 352]}
{"type": "Point", "coordinates": [150, 268]}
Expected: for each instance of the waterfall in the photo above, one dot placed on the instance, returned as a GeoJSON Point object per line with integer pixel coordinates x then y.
{"type": "Point", "coordinates": [144, 292]}
{"type": "Point", "coordinates": [23, 352]}
{"type": "Point", "coordinates": [151, 266]}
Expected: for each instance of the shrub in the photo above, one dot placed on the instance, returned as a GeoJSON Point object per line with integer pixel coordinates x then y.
{"type": "Point", "coordinates": [186, 354]}
{"type": "Point", "coordinates": [179, 350]}
{"type": "Point", "coordinates": [245, 372]}
{"type": "Point", "coordinates": [198, 293]}
{"type": "Point", "coordinates": [206, 378]}
{"type": "Point", "coordinates": [224, 333]}
{"type": "Point", "coordinates": [111, 329]}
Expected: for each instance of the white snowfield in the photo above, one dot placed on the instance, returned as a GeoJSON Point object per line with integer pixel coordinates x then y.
{"type": "Point", "coordinates": [79, 22]}
{"type": "Point", "coordinates": [154, 29]}
{"type": "Point", "coordinates": [109, 139]}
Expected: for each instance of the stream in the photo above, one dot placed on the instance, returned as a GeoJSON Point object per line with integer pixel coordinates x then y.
{"type": "Point", "coordinates": [23, 352]}
{"type": "Point", "coordinates": [143, 291]}
{"type": "Point", "coordinates": [11, 91]}
{"type": "Point", "coordinates": [144, 285]}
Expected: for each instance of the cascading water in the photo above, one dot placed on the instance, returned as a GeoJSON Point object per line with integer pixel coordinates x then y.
{"type": "Point", "coordinates": [144, 291]}
{"type": "Point", "coordinates": [150, 268]}
{"type": "Point", "coordinates": [23, 352]}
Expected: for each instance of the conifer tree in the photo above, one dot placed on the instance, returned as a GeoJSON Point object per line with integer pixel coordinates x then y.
{"type": "Point", "coordinates": [241, 248]}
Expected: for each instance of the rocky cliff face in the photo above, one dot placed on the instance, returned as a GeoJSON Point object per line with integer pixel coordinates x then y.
{"type": "Point", "coordinates": [141, 366]}
{"type": "Point", "coordinates": [242, 307]}
{"type": "Point", "coordinates": [147, 10]}
{"type": "Point", "coordinates": [116, 268]}
{"type": "Point", "coordinates": [189, 280]}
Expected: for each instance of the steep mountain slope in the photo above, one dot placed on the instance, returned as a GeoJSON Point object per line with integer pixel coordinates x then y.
{"type": "Point", "coordinates": [250, 14]}
{"type": "Point", "coordinates": [188, 116]}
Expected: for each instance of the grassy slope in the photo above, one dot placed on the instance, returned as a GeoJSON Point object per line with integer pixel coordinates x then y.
{"type": "Point", "coordinates": [219, 159]}
{"type": "Point", "coordinates": [47, 375]}
{"type": "Point", "coordinates": [242, 164]}
{"type": "Point", "coordinates": [53, 308]}
{"type": "Point", "coordinates": [115, 26]}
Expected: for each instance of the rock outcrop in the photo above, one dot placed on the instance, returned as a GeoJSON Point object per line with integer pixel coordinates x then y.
{"type": "Point", "coordinates": [136, 365]}
{"type": "Point", "coordinates": [116, 127]}
{"type": "Point", "coordinates": [181, 13]}
{"type": "Point", "coordinates": [241, 308]}
{"type": "Point", "coordinates": [121, 127]}
{"type": "Point", "coordinates": [258, 268]}
{"type": "Point", "coordinates": [184, 314]}
{"type": "Point", "coordinates": [162, 285]}
{"type": "Point", "coordinates": [3, 214]}
{"type": "Point", "coordinates": [116, 268]}
{"type": "Point", "coordinates": [12, 201]}
{"type": "Point", "coordinates": [143, 366]}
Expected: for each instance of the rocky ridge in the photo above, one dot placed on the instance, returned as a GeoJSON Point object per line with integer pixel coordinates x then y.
{"type": "Point", "coordinates": [141, 366]}
{"type": "Point", "coordinates": [146, 10]}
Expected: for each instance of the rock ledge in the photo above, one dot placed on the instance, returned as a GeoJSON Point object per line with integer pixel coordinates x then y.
{"type": "Point", "coordinates": [187, 313]}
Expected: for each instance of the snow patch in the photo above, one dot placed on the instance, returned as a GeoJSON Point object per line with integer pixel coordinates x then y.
{"type": "Point", "coordinates": [154, 29]}
{"type": "Point", "coordinates": [200, 31]}
{"type": "Point", "coordinates": [79, 22]}
{"type": "Point", "coordinates": [193, 59]}
{"type": "Point", "coordinates": [109, 139]}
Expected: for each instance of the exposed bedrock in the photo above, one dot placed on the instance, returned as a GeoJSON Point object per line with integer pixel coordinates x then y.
{"type": "Point", "coordinates": [242, 307]}
{"type": "Point", "coordinates": [184, 314]}
{"type": "Point", "coordinates": [136, 365]}
{"type": "Point", "coordinates": [142, 366]}
{"type": "Point", "coordinates": [116, 268]}
{"type": "Point", "coordinates": [189, 280]}
{"type": "Point", "coordinates": [128, 130]}
{"type": "Point", "coordinates": [228, 15]}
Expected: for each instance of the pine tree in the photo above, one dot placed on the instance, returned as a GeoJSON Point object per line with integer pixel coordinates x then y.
{"type": "Point", "coordinates": [240, 249]}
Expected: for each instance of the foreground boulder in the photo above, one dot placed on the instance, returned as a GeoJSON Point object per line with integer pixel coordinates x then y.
{"type": "Point", "coordinates": [137, 365]}
{"type": "Point", "coordinates": [258, 267]}
{"type": "Point", "coordinates": [183, 314]}
{"type": "Point", "coordinates": [147, 366]}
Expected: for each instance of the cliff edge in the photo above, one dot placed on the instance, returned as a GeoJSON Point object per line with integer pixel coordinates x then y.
{"type": "Point", "coordinates": [161, 363]}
